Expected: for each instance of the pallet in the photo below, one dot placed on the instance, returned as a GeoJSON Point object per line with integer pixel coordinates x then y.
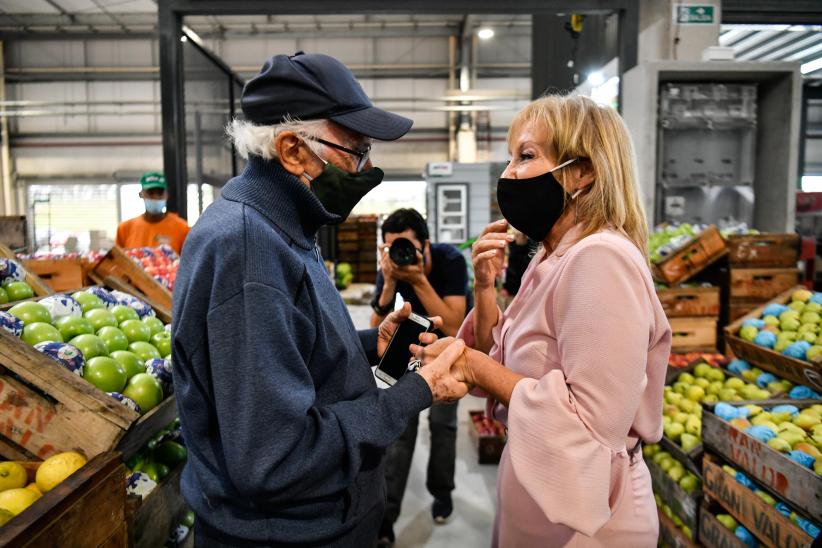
{"type": "Point", "coordinates": [692, 258]}
{"type": "Point", "coordinates": [761, 250]}
{"type": "Point", "coordinates": [116, 264]}
{"type": "Point", "coordinates": [59, 274]}
{"type": "Point", "coordinates": [150, 520]}
{"type": "Point", "coordinates": [489, 448]}
{"type": "Point", "coordinates": [757, 516]}
{"type": "Point", "coordinates": [712, 534]}
{"type": "Point", "coordinates": [678, 302]}
{"type": "Point", "coordinates": [789, 481]}
{"type": "Point", "coordinates": [47, 409]}
{"type": "Point", "coordinates": [796, 371]}
{"type": "Point", "coordinates": [693, 334]}
{"type": "Point", "coordinates": [37, 285]}
{"type": "Point", "coordinates": [672, 536]}
{"type": "Point", "coordinates": [86, 510]}
{"type": "Point", "coordinates": [761, 283]}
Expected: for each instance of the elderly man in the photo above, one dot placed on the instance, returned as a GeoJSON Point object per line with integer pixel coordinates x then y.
{"type": "Point", "coordinates": [285, 426]}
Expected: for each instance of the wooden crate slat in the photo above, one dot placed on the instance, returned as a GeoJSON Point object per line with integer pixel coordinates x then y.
{"type": "Point", "coordinates": [797, 485]}
{"type": "Point", "coordinates": [60, 275]}
{"type": "Point", "coordinates": [763, 249]}
{"type": "Point", "coordinates": [683, 504]}
{"type": "Point", "coordinates": [761, 283]}
{"type": "Point", "coordinates": [740, 307]}
{"type": "Point", "coordinates": [687, 301]}
{"type": "Point", "coordinates": [116, 283]}
{"type": "Point", "coordinates": [37, 285]}
{"type": "Point", "coordinates": [797, 371]}
{"type": "Point", "coordinates": [757, 516]}
{"type": "Point", "coordinates": [712, 534]}
{"type": "Point", "coordinates": [693, 333]}
{"type": "Point", "coordinates": [671, 535]}
{"type": "Point", "coordinates": [83, 511]}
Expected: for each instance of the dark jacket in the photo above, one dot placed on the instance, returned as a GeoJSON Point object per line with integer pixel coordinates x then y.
{"type": "Point", "coordinates": [284, 424]}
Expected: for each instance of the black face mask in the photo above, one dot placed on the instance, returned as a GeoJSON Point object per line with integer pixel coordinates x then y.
{"type": "Point", "coordinates": [533, 206]}
{"type": "Point", "coordinates": [339, 191]}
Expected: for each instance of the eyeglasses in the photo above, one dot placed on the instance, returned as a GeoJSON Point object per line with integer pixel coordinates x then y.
{"type": "Point", "coordinates": [362, 155]}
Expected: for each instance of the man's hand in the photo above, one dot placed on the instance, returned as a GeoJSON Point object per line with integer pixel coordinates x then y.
{"type": "Point", "coordinates": [413, 274]}
{"type": "Point", "coordinates": [440, 374]}
{"type": "Point", "coordinates": [392, 321]}
{"type": "Point", "coordinates": [387, 266]}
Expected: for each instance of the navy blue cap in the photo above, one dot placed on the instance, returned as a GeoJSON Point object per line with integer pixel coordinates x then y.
{"type": "Point", "coordinates": [309, 86]}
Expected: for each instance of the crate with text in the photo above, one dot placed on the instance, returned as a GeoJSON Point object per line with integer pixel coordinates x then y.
{"type": "Point", "coordinates": [90, 372]}
{"type": "Point", "coordinates": [676, 488]}
{"type": "Point", "coordinates": [767, 520]}
{"type": "Point", "coordinates": [776, 444]}
{"type": "Point", "coordinates": [783, 337]}
{"type": "Point", "coordinates": [763, 250]}
{"type": "Point", "coordinates": [718, 529]}
{"type": "Point", "coordinates": [85, 509]}
{"type": "Point", "coordinates": [489, 437]}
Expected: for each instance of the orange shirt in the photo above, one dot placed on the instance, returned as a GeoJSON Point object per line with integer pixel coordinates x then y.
{"type": "Point", "coordinates": [138, 232]}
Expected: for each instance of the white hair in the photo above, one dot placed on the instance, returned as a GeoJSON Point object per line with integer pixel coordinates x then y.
{"type": "Point", "coordinates": [250, 139]}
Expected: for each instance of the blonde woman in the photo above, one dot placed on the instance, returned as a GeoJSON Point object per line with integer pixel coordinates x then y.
{"type": "Point", "coordinates": [576, 365]}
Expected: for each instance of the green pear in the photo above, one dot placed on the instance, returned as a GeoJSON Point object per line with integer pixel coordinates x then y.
{"type": "Point", "coordinates": [695, 393]}
{"type": "Point", "coordinates": [806, 421]}
{"type": "Point", "coordinates": [726, 394]}
{"type": "Point", "coordinates": [687, 378]}
{"type": "Point", "coordinates": [666, 464]}
{"type": "Point", "coordinates": [693, 426]}
{"type": "Point", "coordinates": [688, 406]}
{"type": "Point", "coordinates": [710, 398]}
{"type": "Point", "coordinates": [701, 370]}
{"type": "Point", "coordinates": [681, 418]}
{"type": "Point", "coordinates": [808, 328]}
{"type": "Point", "coordinates": [773, 321]}
{"type": "Point", "coordinates": [649, 451]}
{"type": "Point", "coordinates": [780, 445]}
{"type": "Point", "coordinates": [676, 472]}
{"type": "Point", "coordinates": [680, 387]}
{"type": "Point", "coordinates": [729, 469]}
{"type": "Point", "coordinates": [690, 483]}
{"type": "Point", "coordinates": [735, 383]}
{"type": "Point", "coordinates": [791, 437]}
{"type": "Point", "coordinates": [727, 521]}
{"type": "Point", "coordinates": [714, 388]}
{"type": "Point", "coordinates": [688, 441]}
{"type": "Point", "coordinates": [715, 375]}
{"type": "Point", "coordinates": [660, 456]}
{"type": "Point", "coordinates": [673, 397]}
{"type": "Point", "coordinates": [790, 324]}
{"type": "Point", "coordinates": [674, 430]}
{"type": "Point", "coordinates": [761, 394]}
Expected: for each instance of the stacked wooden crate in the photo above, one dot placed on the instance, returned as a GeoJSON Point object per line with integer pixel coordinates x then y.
{"type": "Point", "coordinates": [762, 266]}
{"type": "Point", "coordinates": [357, 246]}
{"type": "Point", "coordinates": [693, 313]}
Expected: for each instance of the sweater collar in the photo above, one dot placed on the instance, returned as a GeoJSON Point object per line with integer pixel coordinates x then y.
{"type": "Point", "coordinates": [280, 196]}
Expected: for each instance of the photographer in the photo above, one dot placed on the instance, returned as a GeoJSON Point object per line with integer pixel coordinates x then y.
{"type": "Point", "coordinates": [434, 279]}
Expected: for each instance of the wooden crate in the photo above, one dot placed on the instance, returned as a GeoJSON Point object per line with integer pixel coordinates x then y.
{"type": "Point", "coordinates": [796, 371]}
{"type": "Point", "coordinates": [759, 250]}
{"type": "Point", "coordinates": [685, 505]}
{"type": "Point", "coordinates": [693, 334]}
{"type": "Point", "coordinates": [37, 285]}
{"type": "Point", "coordinates": [792, 482]}
{"type": "Point", "coordinates": [47, 409]}
{"type": "Point", "coordinates": [59, 274]}
{"type": "Point", "coordinates": [740, 307]}
{"type": "Point", "coordinates": [150, 520]}
{"type": "Point", "coordinates": [86, 510]}
{"type": "Point", "coordinates": [489, 448]}
{"type": "Point", "coordinates": [761, 283]}
{"type": "Point", "coordinates": [672, 536]}
{"type": "Point", "coordinates": [680, 302]}
{"type": "Point", "coordinates": [118, 266]}
{"type": "Point", "coordinates": [712, 534]}
{"type": "Point", "coordinates": [757, 516]}
{"type": "Point", "coordinates": [702, 251]}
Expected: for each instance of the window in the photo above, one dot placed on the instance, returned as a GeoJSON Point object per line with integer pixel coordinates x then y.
{"type": "Point", "coordinates": [452, 213]}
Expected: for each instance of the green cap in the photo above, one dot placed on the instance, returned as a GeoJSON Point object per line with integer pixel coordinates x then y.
{"type": "Point", "coordinates": [152, 179]}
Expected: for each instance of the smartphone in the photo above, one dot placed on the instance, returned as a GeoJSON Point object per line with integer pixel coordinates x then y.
{"type": "Point", "coordinates": [394, 362]}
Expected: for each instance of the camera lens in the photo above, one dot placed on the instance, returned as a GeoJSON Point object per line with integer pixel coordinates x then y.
{"type": "Point", "coordinates": [403, 252]}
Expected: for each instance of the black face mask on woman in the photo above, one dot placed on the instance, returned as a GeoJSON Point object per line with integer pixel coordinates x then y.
{"type": "Point", "coordinates": [534, 205]}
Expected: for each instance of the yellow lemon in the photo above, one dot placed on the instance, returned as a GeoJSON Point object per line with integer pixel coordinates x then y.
{"type": "Point", "coordinates": [57, 468]}
{"type": "Point", "coordinates": [12, 475]}
{"type": "Point", "coordinates": [17, 500]}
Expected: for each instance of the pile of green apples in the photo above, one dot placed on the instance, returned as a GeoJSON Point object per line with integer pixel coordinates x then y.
{"type": "Point", "coordinates": [114, 345]}
{"type": "Point", "coordinates": [682, 409]}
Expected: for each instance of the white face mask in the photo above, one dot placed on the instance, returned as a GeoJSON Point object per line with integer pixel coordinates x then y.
{"type": "Point", "coordinates": [154, 207]}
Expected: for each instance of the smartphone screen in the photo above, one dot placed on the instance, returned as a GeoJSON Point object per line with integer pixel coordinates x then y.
{"type": "Point", "coordinates": [394, 362]}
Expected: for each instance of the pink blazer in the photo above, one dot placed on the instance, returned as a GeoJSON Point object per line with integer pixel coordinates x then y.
{"type": "Point", "coordinates": [589, 335]}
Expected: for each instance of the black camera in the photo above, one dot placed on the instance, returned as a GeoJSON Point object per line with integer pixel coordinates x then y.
{"type": "Point", "coordinates": [402, 252]}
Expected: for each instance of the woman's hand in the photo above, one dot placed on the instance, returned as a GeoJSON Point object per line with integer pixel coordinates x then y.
{"type": "Point", "coordinates": [488, 254]}
{"type": "Point", "coordinates": [389, 326]}
{"type": "Point", "coordinates": [430, 354]}
{"type": "Point", "coordinates": [442, 373]}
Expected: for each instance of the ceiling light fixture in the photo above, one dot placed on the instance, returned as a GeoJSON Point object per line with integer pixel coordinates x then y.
{"type": "Point", "coordinates": [485, 33]}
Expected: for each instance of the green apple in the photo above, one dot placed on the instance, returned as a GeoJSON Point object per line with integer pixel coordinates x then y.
{"type": "Point", "coordinates": [135, 331]}
{"type": "Point", "coordinates": [162, 342]}
{"type": "Point", "coordinates": [145, 351]}
{"type": "Point", "coordinates": [4, 297]}
{"type": "Point", "coordinates": [105, 373]}
{"type": "Point", "coordinates": [727, 521]}
{"type": "Point", "coordinates": [780, 445]}
{"type": "Point", "coordinates": [130, 362]}
{"type": "Point", "coordinates": [72, 326]}
{"type": "Point", "coordinates": [17, 291]}
{"type": "Point", "coordinates": [154, 324]}
{"type": "Point", "coordinates": [38, 332]}
{"type": "Point", "coordinates": [30, 312]}
{"type": "Point", "coordinates": [688, 441]}
{"type": "Point", "coordinates": [112, 337]}
{"type": "Point", "coordinates": [145, 390]}
{"type": "Point", "coordinates": [100, 318]}
{"type": "Point", "coordinates": [123, 313]}
{"type": "Point", "coordinates": [89, 301]}
{"type": "Point", "coordinates": [90, 345]}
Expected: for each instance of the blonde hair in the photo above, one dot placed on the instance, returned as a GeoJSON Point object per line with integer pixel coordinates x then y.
{"type": "Point", "coordinates": [577, 127]}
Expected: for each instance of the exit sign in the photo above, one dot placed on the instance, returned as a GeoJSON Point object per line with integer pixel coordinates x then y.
{"type": "Point", "coordinates": [693, 14]}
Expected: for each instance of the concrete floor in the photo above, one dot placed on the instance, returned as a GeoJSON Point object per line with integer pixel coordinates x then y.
{"type": "Point", "coordinates": [475, 495]}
